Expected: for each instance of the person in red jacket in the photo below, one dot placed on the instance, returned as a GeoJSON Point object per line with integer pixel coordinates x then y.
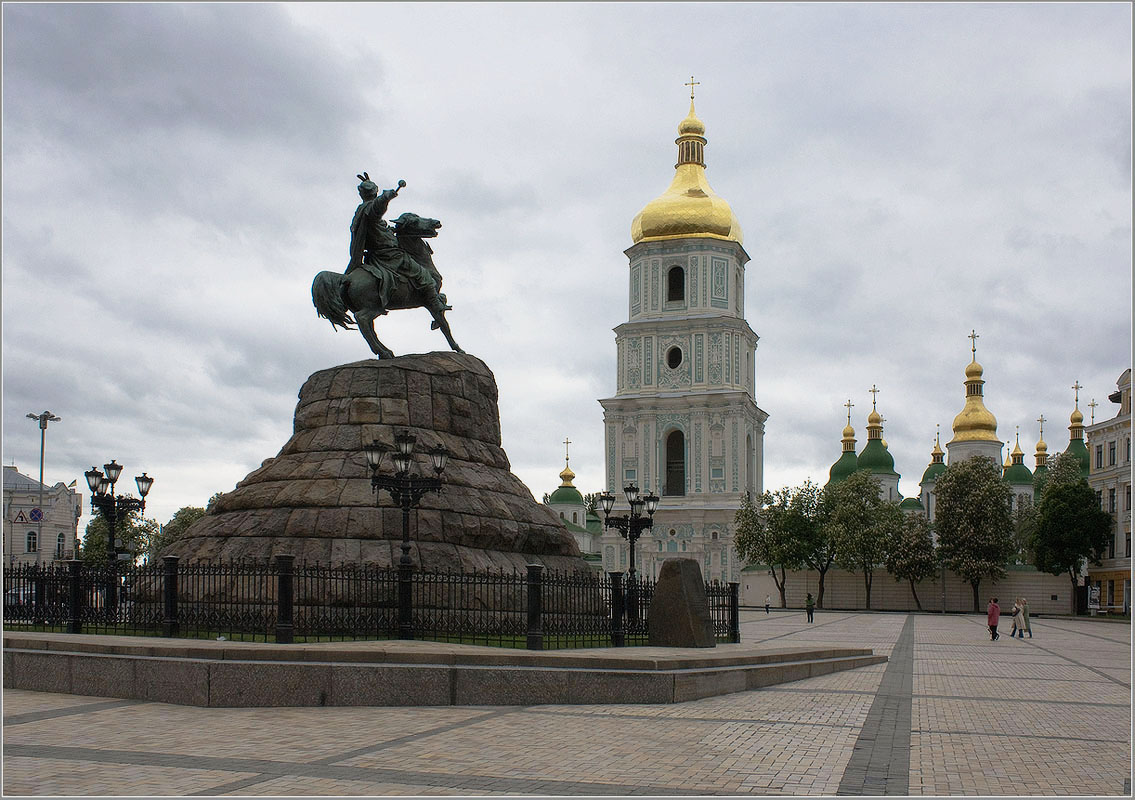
{"type": "Point", "coordinates": [994, 615]}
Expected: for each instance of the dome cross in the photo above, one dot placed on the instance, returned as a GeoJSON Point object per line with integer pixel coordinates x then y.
{"type": "Point", "coordinates": [567, 444]}
{"type": "Point", "coordinates": [1040, 419]}
{"type": "Point", "coordinates": [1093, 405]}
{"type": "Point", "coordinates": [874, 390]}
{"type": "Point", "coordinates": [1077, 387]}
{"type": "Point", "coordinates": [974, 336]}
{"type": "Point", "coordinates": [849, 405]}
{"type": "Point", "coordinates": [692, 83]}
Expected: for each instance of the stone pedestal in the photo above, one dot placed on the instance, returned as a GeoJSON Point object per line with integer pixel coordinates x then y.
{"type": "Point", "coordinates": [314, 500]}
{"type": "Point", "coordinates": [679, 611]}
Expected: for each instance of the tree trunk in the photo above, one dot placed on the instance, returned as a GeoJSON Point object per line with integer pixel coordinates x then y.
{"type": "Point", "coordinates": [867, 586]}
{"type": "Point", "coordinates": [976, 601]}
{"type": "Point", "coordinates": [1075, 586]}
{"type": "Point", "coordinates": [782, 586]}
{"type": "Point", "coordinates": [917, 602]}
{"type": "Point", "coordinates": [820, 590]}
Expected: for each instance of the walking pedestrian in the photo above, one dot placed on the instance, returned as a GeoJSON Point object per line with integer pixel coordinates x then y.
{"type": "Point", "coordinates": [1025, 616]}
{"type": "Point", "coordinates": [1015, 615]}
{"type": "Point", "coordinates": [768, 602]}
{"type": "Point", "coordinates": [993, 614]}
{"type": "Point", "coordinates": [810, 606]}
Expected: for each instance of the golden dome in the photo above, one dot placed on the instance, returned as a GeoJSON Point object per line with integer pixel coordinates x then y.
{"type": "Point", "coordinates": [1017, 451]}
{"type": "Point", "coordinates": [567, 476]}
{"type": "Point", "coordinates": [691, 124]}
{"type": "Point", "coordinates": [1041, 447]}
{"type": "Point", "coordinates": [689, 207]}
{"type": "Point", "coordinates": [975, 423]}
{"type": "Point", "coordinates": [1077, 417]}
{"type": "Point", "coordinates": [849, 432]}
{"type": "Point", "coordinates": [874, 418]}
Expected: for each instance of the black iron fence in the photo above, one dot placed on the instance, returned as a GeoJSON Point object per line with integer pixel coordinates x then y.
{"type": "Point", "coordinates": [281, 601]}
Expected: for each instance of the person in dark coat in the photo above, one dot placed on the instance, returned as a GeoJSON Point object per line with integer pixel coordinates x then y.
{"type": "Point", "coordinates": [810, 606]}
{"type": "Point", "coordinates": [993, 615]}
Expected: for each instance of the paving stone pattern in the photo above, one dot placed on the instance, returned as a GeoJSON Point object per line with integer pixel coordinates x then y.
{"type": "Point", "coordinates": [1049, 709]}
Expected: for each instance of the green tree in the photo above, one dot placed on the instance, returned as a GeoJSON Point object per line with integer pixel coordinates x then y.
{"type": "Point", "coordinates": [1025, 521]}
{"type": "Point", "coordinates": [765, 535]}
{"type": "Point", "coordinates": [1071, 526]}
{"type": "Point", "coordinates": [131, 531]}
{"type": "Point", "coordinates": [213, 501]}
{"type": "Point", "coordinates": [173, 530]}
{"type": "Point", "coordinates": [591, 503]}
{"type": "Point", "coordinates": [861, 525]}
{"type": "Point", "coordinates": [975, 529]}
{"type": "Point", "coordinates": [810, 539]}
{"type": "Point", "coordinates": [911, 555]}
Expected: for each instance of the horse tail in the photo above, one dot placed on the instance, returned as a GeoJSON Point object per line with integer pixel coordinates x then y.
{"type": "Point", "coordinates": [327, 296]}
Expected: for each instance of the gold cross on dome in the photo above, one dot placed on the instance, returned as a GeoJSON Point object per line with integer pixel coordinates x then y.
{"type": "Point", "coordinates": [1077, 387]}
{"type": "Point", "coordinates": [874, 392]}
{"type": "Point", "coordinates": [1040, 419]}
{"type": "Point", "coordinates": [1093, 405]}
{"type": "Point", "coordinates": [567, 443]}
{"type": "Point", "coordinates": [974, 336]}
{"type": "Point", "coordinates": [692, 84]}
{"type": "Point", "coordinates": [849, 405]}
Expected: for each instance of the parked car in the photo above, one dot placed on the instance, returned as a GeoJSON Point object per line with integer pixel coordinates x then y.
{"type": "Point", "coordinates": [18, 597]}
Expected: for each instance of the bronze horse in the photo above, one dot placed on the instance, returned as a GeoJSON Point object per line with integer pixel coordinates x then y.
{"type": "Point", "coordinates": [334, 294]}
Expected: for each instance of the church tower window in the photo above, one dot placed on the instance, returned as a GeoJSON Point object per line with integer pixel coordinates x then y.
{"type": "Point", "coordinates": [675, 285]}
{"type": "Point", "coordinates": [675, 464]}
{"type": "Point", "coordinates": [674, 357]}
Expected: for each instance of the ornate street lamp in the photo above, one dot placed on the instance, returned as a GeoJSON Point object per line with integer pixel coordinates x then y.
{"type": "Point", "coordinates": [406, 490]}
{"type": "Point", "coordinates": [112, 506]}
{"type": "Point", "coordinates": [630, 527]}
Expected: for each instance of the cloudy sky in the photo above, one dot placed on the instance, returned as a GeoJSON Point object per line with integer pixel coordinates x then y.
{"type": "Point", "coordinates": [175, 175]}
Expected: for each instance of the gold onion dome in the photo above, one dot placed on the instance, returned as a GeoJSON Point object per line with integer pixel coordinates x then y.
{"type": "Point", "coordinates": [567, 476]}
{"type": "Point", "coordinates": [975, 423]}
{"type": "Point", "coordinates": [1077, 417]}
{"type": "Point", "coordinates": [689, 207]}
{"type": "Point", "coordinates": [849, 433]}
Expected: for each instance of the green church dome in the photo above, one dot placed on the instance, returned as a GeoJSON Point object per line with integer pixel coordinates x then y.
{"type": "Point", "coordinates": [911, 504]}
{"type": "Point", "coordinates": [566, 495]}
{"type": "Point", "coordinates": [842, 468]}
{"type": "Point", "coordinates": [932, 472]}
{"type": "Point", "coordinates": [876, 459]}
{"type": "Point", "coordinates": [1018, 475]}
{"type": "Point", "coordinates": [1077, 448]}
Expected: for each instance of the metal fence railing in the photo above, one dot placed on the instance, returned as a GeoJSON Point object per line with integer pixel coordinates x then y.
{"type": "Point", "coordinates": [282, 601]}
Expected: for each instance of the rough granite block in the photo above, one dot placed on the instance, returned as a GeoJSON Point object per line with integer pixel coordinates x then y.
{"type": "Point", "coordinates": [234, 684]}
{"type": "Point", "coordinates": [38, 672]}
{"type": "Point", "coordinates": [102, 676]}
{"type": "Point", "coordinates": [389, 685]}
{"type": "Point", "coordinates": [696, 685]}
{"type": "Point", "coordinates": [167, 680]}
{"type": "Point", "coordinates": [492, 686]}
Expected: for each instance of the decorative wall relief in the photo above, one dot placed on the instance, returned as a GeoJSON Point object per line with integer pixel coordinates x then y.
{"type": "Point", "coordinates": [647, 360]}
{"type": "Point", "coordinates": [714, 373]}
{"type": "Point", "coordinates": [697, 457]}
{"type": "Point", "coordinates": [719, 295]}
{"type": "Point", "coordinates": [699, 357]}
{"type": "Point", "coordinates": [634, 363]}
{"type": "Point", "coordinates": [636, 290]}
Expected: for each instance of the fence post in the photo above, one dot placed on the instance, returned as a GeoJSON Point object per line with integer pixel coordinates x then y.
{"type": "Point", "coordinates": [618, 606]}
{"type": "Point", "coordinates": [74, 597]}
{"type": "Point", "coordinates": [405, 601]}
{"type": "Point", "coordinates": [535, 606]}
{"type": "Point", "coordinates": [284, 574]}
{"type": "Point", "coordinates": [734, 613]}
{"type": "Point", "coordinates": [39, 594]}
{"type": "Point", "coordinates": [169, 596]}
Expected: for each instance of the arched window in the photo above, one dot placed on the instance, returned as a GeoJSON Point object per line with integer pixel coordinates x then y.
{"type": "Point", "coordinates": [575, 517]}
{"type": "Point", "coordinates": [31, 542]}
{"type": "Point", "coordinates": [750, 464]}
{"type": "Point", "coordinates": [675, 285]}
{"type": "Point", "coordinates": [59, 542]}
{"type": "Point", "coordinates": [675, 464]}
{"type": "Point", "coordinates": [672, 546]}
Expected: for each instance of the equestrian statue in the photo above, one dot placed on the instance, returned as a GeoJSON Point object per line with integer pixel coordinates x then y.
{"type": "Point", "coordinates": [389, 269]}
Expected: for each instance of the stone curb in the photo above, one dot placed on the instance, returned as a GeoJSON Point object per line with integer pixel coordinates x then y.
{"type": "Point", "coordinates": [216, 674]}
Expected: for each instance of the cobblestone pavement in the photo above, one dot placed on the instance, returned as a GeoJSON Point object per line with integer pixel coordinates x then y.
{"type": "Point", "coordinates": [952, 713]}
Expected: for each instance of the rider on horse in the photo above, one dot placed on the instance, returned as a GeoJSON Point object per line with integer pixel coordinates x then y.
{"type": "Point", "coordinates": [374, 247]}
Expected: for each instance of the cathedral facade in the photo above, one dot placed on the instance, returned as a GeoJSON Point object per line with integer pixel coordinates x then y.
{"type": "Point", "coordinates": [684, 421]}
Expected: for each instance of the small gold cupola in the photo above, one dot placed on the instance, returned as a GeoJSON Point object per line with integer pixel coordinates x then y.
{"type": "Point", "coordinates": [1041, 446]}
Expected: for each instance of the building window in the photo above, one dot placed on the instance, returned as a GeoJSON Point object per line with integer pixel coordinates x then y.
{"type": "Point", "coordinates": [1111, 454]}
{"type": "Point", "coordinates": [1127, 545]}
{"type": "Point", "coordinates": [1111, 593]}
{"type": "Point", "coordinates": [1099, 498]}
{"type": "Point", "coordinates": [1099, 456]}
{"type": "Point", "coordinates": [675, 285]}
{"type": "Point", "coordinates": [1127, 503]}
{"type": "Point", "coordinates": [675, 464]}
{"type": "Point", "coordinates": [674, 357]}
{"type": "Point", "coordinates": [629, 474]}
{"type": "Point", "coordinates": [713, 535]}
{"type": "Point", "coordinates": [31, 542]}
{"type": "Point", "coordinates": [575, 517]}
{"type": "Point", "coordinates": [1111, 547]}
{"type": "Point", "coordinates": [1128, 449]}
{"type": "Point", "coordinates": [1111, 501]}
{"type": "Point", "coordinates": [60, 540]}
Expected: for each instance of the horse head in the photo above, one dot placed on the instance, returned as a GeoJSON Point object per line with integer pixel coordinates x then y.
{"type": "Point", "coordinates": [412, 225]}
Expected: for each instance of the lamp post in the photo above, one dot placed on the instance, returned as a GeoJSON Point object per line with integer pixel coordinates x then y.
{"type": "Point", "coordinates": [112, 507]}
{"type": "Point", "coordinates": [630, 527]}
{"type": "Point", "coordinates": [406, 490]}
{"type": "Point", "coordinates": [43, 419]}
